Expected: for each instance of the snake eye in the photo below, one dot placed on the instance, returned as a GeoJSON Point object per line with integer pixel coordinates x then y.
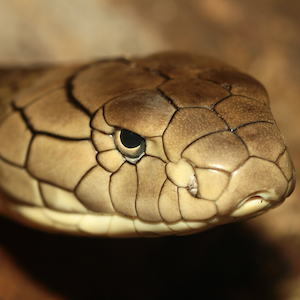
{"type": "Point", "coordinates": [130, 144]}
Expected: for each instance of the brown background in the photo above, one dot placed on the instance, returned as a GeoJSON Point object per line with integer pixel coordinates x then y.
{"type": "Point", "coordinates": [256, 259]}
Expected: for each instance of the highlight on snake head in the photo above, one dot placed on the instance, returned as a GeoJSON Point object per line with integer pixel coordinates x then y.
{"type": "Point", "coordinates": [168, 144]}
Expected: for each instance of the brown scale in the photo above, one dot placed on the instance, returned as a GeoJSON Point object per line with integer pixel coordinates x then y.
{"type": "Point", "coordinates": [54, 114]}
{"type": "Point", "coordinates": [190, 92]}
{"type": "Point", "coordinates": [123, 190]}
{"type": "Point", "coordinates": [98, 84]}
{"type": "Point", "coordinates": [188, 125]}
{"type": "Point", "coordinates": [239, 84]}
{"type": "Point", "coordinates": [211, 146]}
{"type": "Point", "coordinates": [145, 112]}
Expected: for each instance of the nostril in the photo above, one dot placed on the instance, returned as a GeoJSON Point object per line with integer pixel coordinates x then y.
{"type": "Point", "coordinates": [182, 174]}
{"type": "Point", "coordinates": [193, 186]}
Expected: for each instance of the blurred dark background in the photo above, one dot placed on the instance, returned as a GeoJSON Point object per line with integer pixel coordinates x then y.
{"type": "Point", "coordinates": [256, 259]}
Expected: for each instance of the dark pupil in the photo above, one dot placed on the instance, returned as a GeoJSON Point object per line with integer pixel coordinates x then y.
{"type": "Point", "coordinates": [130, 139]}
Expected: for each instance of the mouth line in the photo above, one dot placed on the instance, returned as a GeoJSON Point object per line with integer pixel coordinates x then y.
{"type": "Point", "coordinates": [250, 205]}
{"type": "Point", "coordinates": [251, 198]}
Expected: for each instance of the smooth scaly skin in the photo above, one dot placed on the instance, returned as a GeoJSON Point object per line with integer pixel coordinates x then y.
{"type": "Point", "coordinates": [214, 153]}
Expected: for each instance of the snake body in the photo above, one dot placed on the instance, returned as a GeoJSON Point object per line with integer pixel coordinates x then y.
{"type": "Point", "coordinates": [168, 144]}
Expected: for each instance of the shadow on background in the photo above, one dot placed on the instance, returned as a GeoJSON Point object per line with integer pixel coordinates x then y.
{"type": "Point", "coordinates": [228, 262]}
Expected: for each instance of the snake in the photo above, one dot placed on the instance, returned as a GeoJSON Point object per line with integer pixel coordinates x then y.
{"type": "Point", "coordinates": [172, 143]}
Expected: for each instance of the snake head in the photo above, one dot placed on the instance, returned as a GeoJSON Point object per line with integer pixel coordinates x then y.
{"type": "Point", "coordinates": [172, 143]}
{"type": "Point", "coordinates": [213, 152]}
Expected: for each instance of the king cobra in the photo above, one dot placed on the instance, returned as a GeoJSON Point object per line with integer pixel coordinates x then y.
{"type": "Point", "coordinates": [168, 144]}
